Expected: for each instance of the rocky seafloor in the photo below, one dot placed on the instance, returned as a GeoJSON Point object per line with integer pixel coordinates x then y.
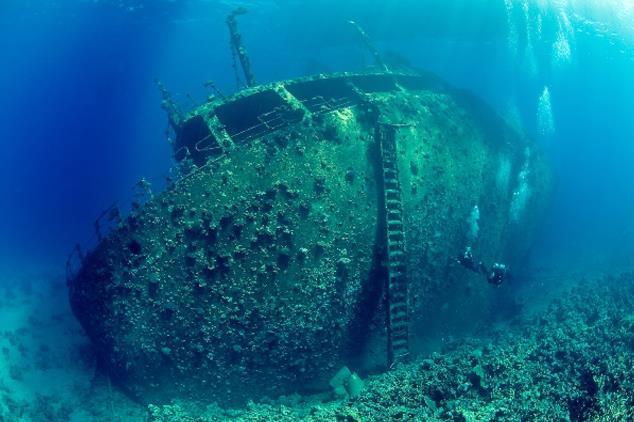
{"type": "Point", "coordinates": [573, 360]}
{"type": "Point", "coordinates": [568, 355]}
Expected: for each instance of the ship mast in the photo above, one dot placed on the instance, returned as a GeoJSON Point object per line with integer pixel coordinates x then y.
{"type": "Point", "coordinates": [237, 47]}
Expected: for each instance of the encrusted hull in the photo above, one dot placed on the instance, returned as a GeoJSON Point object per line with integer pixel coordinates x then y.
{"type": "Point", "coordinates": [266, 268]}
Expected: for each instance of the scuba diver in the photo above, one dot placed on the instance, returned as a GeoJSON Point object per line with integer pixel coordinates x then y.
{"type": "Point", "coordinates": [495, 275]}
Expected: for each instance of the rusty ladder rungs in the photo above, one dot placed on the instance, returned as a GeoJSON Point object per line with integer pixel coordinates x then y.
{"type": "Point", "coordinates": [397, 314]}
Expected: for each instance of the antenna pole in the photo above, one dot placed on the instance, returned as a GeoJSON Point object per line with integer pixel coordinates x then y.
{"type": "Point", "coordinates": [238, 47]}
{"type": "Point", "coordinates": [368, 44]}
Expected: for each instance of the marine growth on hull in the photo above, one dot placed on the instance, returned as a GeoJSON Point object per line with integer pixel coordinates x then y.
{"type": "Point", "coordinates": [325, 221]}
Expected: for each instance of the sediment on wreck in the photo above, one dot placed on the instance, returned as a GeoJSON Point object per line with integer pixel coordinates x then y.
{"type": "Point", "coordinates": [266, 268]}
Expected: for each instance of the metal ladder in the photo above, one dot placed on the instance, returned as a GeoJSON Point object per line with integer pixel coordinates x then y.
{"type": "Point", "coordinates": [396, 289]}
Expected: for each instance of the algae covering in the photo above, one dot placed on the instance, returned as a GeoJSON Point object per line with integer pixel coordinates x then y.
{"type": "Point", "coordinates": [267, 267]}
{"type": "Point", "coordinates": [545, 366]}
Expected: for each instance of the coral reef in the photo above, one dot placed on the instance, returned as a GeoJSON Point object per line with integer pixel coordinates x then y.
{"type": "Point", "coordinates": [569, 357]}
{"type": "Point", "coordinates": [572, 362]}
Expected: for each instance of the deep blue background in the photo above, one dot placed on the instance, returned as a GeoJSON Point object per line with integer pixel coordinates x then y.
{"type": "Point", "coordinates": [81, 122]}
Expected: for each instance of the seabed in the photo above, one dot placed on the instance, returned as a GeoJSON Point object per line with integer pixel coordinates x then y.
{"type": "Point", "coordinates": [556, 355]}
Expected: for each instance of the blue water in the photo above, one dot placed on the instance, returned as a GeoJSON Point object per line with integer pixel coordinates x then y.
{"type": "Point", "coordinates": [81, 122]}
